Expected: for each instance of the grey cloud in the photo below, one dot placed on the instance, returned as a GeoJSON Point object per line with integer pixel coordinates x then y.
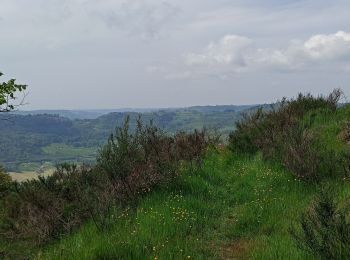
{"type": "Point", "coordinates": [60, 23]}
{"type": "Point", "coordinates": [172, 53]}
{"type": "Point", "coordinates": [236, 54]}
{"type": "Point", "coordinates": [135, 17]}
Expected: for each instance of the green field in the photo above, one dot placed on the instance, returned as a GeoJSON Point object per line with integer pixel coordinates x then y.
{"type": "Point", "coordinates": [60, 150]}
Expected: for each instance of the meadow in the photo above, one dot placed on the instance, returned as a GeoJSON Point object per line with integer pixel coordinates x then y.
{"type": "Point", "coordinates": [231, 208]}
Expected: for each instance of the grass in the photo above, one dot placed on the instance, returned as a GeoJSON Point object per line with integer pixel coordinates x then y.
{"type": "Point", "coordinates": [234, 207]}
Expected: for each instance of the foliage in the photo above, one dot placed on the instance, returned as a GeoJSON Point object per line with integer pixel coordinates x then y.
{"type": "Point", "coordinates": [324, 229]}
{"type": "Point", "coordinates": [129, 165]}
{"type": "Point", "coordinates": [285, 134]}
{"type": "Point", "coordinates": [5, 181]}
{"type": "Point", "coordinates": [230, 208]}
{"type": "Point", "coordinates": [146, 154]}
{"type": "Point", "coordinates": [8, 92]}
{"type": "Point", "coordinates": [248, 130]}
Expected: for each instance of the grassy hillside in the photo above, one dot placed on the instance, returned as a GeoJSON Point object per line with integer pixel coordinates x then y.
{"type": "Point", "coordinates": [236, 204]}
{"type": "Point", "coordinates": [234, 207]}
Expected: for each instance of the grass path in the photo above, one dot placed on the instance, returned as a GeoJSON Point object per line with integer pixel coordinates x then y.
{"type": "Point", "coordinates": [233, 208]}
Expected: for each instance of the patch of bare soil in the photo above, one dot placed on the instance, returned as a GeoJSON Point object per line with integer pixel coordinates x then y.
{"type": "Point", "coordinates": [235, 250]}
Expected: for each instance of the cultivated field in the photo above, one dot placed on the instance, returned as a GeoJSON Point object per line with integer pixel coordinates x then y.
{"type": "Point", "coordinates": [29, 175]}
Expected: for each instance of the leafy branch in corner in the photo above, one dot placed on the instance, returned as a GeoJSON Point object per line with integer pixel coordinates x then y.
{"type": "Point", "coordinates": [8, 97]}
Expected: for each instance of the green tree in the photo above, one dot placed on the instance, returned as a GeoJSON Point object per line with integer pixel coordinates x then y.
{"type": "Point", "coordinates": [8, 91]}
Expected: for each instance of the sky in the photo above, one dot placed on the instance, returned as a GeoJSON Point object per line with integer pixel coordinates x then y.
{"type": "Point", "coordinates": [92, 54]}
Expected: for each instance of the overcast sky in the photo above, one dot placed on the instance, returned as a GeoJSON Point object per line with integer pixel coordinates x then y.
{"type": "Point", "coordinates": [77, 54]}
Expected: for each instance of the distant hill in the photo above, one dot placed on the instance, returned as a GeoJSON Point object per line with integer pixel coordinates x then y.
{"type": "Point", "coordinates": [95, 113]}
{"type": "Point", "coordinates": [82, 114]}
{"type": "Point", "coordinates": [75, 135]}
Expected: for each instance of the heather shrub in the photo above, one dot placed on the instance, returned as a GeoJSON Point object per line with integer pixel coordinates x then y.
{"type": "Point", "coordinates": [324, 229]}
{"type": "Point", "coordinates": [5, 181]}
{"type": "Point", "coordinates": [47, 207]}
{"type": "Point", "coordinates": [300, 156]}
{"type": "Point", "coordinates": [128, 165]}
{"type": "Point", "coordinates": [191, 147]}
{"type": "Point", "coordinates": [281, 134]}
{"type": "Point", "coordinates": [243, 139]}
{"type": "Point", "coordinates": [307, 159]}
{"type": "Point", "coordinates": [345, 133]}
{"type": "Point", "coordinates": [134, 162]}
{"type": "Point", "coordinates": [265, 130]}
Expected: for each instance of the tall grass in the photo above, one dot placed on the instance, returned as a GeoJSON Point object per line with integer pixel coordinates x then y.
{"type": "Point", "coordinates": [286, 133]}
{"type": "Point", "coordinates": [233, 207]}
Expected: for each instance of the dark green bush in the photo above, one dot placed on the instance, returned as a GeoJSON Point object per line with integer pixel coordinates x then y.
{"type": "Point", "coordinates": [248, 131]}
{"type": "Point", "coordinates": [135, 162]}
{"type": "Point", "coordinates": [282, 134]}
{"type": "Point", "coordinates": [324, 229]}
{"type": "Point", "coordinates": [5, 181]}
{"type": "Point", "coordinates": [129, 165]}
{"type": "Point", "coordinates": [47, 207]}
{"type": "Point", "coordinates": [191, 147]}
{"type": "Point", "coordinates": [299, 155]}
{"type": "Point", "coordinates": [266, 129]}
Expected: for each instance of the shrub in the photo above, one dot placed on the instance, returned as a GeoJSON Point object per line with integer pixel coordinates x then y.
{"type": "Point", "coordinates": [248, 130]}
{"type": "Point", "coordinates": [128, 165]}
{"type": "Point", "coordinates": [5, 181]}
{"type": "Point", "coordinates": [135, 162]}
{"type": "Point", "coordinates": [191, 147]}
{"type": "Point", "coordinates": [280, 133]}
{"type": "Point", "coordinates": [263, 130]}
{"type": "Point", "coordinates": [324, 229]}
{"type": "Point", "coordinates": [345, 133]}
{"type": "Point", "coordinates": [300, 156]}
{"type": "Point", "coordinates": [47, 207]}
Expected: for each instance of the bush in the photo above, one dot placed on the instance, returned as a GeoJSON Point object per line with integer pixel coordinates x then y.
{"type": "Point", "coordinates": [248, 131]}
{"type": "Point", "coordinates": [191, 147]}
{"type": "Point", "coordinates": [264, 130]}
{"type": "Point", "coordinates": [5, 181]}
{"type": "Point", "coordinates": [47, 207]}
{"type": "Point", "coordinates": [345, 133]}
{"type": "Point", "coordinates": [281, 133]}
{"type": "Point", "coordinates": [128, 165]}
{"type": "Point", "coordinates": [138, 161]}
{"type": "Point", "coordinates": [324, 229]}
{"type": "Point", "coordinates": [300, 156]}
